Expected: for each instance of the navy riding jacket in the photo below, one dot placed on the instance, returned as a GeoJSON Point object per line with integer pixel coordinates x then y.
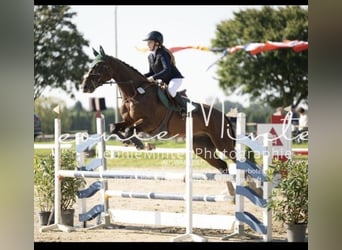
{"type": "Point", "coordinates": [161, 67]}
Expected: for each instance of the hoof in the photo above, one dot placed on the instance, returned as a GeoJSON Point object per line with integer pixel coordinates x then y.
{"type": "Point", "coordinates": [259, 191]}
{"type": "Point", "coordinates": [231, 200]}
{"type": "Point", "coordinates": [183, 115]}
{"type": "Point", "coordinates": [229, 197]}
{"type": "Point", "coordinates": [149, 146]}
{"type": "Point", "coordinates": [112, 128]}
{"type": "Point", "coordinates": [140, 147]}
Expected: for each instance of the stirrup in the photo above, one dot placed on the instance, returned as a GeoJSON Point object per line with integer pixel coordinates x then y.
{"type": "Point", "coordinates": [183, 113]}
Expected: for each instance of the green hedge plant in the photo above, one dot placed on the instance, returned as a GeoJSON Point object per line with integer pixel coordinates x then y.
{"type": "Point", "coordinates": [69, 185]}
{"type": "Point", "coordinates": [289, 200]}
{"type": "Point", "coordinates": [44, 185]}
{"type": "Point", "coordinates": [44, 172]}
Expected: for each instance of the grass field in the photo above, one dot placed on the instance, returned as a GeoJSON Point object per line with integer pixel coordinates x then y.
{"type": "Point", "coordinates": [150, 159]}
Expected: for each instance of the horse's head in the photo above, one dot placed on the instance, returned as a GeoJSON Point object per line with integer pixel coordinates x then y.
{"type": "Point", "coordinates": [98, 74]}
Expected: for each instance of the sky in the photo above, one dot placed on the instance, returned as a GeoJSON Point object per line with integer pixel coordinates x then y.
{"type": "Point", "coordinates": [180, 26]}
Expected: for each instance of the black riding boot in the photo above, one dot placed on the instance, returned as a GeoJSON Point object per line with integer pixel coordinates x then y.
{"type": "Point", "coordinates": [182, 103]}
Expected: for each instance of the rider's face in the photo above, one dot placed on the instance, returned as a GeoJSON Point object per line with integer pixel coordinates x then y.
{"type": "Point", "coordinates": [151, 45]}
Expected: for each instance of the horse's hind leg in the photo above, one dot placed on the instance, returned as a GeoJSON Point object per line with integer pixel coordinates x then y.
{"type": "Point", "coordinates": [204, 148]}
{"type": "Point", "coordinates": [230, 153]}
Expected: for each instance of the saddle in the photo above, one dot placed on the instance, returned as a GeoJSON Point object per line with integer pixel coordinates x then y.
{"type": "Point", "coordinates": [168, 101]}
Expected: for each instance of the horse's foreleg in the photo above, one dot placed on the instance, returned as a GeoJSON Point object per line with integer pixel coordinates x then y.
{"type": "Point", "coordinates": [129, 132]}
{"type": "Point", "coordinates": [119, 127]}
{"type": "Point", "coordinates": [124, 130]}
{"type": "Point", "coordinates": [118, 132]}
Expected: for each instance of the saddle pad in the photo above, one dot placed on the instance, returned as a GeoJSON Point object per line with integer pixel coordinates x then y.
{"type": "Point", "coordinates": [165, 100]}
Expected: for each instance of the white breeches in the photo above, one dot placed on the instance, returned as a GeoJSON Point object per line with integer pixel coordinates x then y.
{"type": "Point", "coordinates": [175, 86]}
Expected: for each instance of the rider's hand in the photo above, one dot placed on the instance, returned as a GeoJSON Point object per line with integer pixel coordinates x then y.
{"type": "Point", "coordinates": [163, 86]}
{"type": "Point", "coordinates": [150, 79]}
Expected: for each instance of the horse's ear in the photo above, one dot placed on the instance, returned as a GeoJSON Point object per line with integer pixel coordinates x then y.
{"type": "Point", "coordinates": [102, 51]}
{"type": "Point", "coordinates": [95, 52]}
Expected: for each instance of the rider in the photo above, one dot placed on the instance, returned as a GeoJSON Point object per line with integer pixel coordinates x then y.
{"type": "Point", "coordinates": [162, 66]}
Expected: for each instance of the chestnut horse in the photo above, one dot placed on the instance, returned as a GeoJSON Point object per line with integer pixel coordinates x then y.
{"type": "Point", "coordinates": [143, 111]}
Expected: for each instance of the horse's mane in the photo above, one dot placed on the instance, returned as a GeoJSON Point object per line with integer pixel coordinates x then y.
{"type": "Point", "coordinates": [102, 56]}
{"type": "Point", "coordinates": [129, 66]}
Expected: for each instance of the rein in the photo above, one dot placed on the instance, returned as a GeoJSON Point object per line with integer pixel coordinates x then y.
{"type": "Point", "coordinates": [125, 82]}
{"type": "Point", "coordinates": [128, 98]}
{"type": "Point", "coordinates": [103, 58]}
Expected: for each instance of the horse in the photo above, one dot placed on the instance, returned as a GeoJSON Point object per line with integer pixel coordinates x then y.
{"type": "Point", "coordinates": [143, 111]}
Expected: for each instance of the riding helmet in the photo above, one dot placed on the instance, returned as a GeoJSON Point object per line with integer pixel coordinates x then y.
{"type": "Point", "coordinates": [155, 36]}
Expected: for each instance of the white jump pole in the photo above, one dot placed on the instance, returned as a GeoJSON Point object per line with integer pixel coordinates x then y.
{"type": "Point", "coordinates": [240, 174]}
{"type": "Point", "coordinates": [57, 157]}
{"type": "Point", "coordinates": [267, 188]}
{"type": "Point", "coordinates": [188, 179]}
{"type": "Point", "coordinates": [80, 158]}
{"type": "Point", "coordinates": [57, 168]}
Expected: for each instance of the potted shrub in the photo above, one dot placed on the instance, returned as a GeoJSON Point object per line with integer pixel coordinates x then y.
{"type": "Point", "coordinates": [289, 200]}
{"type": "Point", "coordinates": [44, 174]}
{"type": "Point", "coordinates": [44, 187]}
{"type": "Point", "coordinates": [69, 187]}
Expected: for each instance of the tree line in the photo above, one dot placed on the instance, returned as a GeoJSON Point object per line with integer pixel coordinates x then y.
{"type": "Point", "coordinates": [74, 119]}
{"type": "Point", "coordinates": [271, 79]}
{"type": "Point", "coordinates": [278, 78]}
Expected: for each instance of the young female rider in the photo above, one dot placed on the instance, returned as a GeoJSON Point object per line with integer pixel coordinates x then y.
{"type": "Point", "coordinates": [162, 66]}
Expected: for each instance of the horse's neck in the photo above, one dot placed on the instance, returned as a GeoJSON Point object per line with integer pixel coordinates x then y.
{"type": "Point", "coordinates": [127, 78]}
{"type": "Point", "coordinates": [122, 72]}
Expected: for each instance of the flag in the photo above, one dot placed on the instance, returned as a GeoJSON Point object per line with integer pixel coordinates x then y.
{"type": "Point", "coordinates": [57, 109]}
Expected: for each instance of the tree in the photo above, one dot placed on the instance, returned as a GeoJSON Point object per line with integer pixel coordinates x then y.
{"type": "Point", "coordinates": [278, 77]}
{"type": "Point", "coordinates": [59, 59]}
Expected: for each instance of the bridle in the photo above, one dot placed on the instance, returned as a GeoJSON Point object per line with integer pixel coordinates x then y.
{"type": "Point", "coordinates": [127, 98]}
{"type": "Point", "coordinates": [97, 83]}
